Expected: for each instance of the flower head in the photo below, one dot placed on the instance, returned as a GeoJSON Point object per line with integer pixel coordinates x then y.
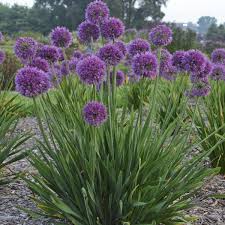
{"type": "Point", "coordinates": [112, 28]}
{"type": "Point", "coordinates": [199, 89]}
{"type": "Point", "coordinates": [55, 75]}
{"type": "Point", "coordinates": [145, 65]}
{"type": "Point", "coordinates": [77, 54]}
{"type": "Point", "coordinates": [120, 78]}
{"type": "Point", "coordinates": [110, 54]}
{"type": "Point", "coordinates": [96, 12]}
{"type": "Point", "coordinates": [91, 70]}
{"type": "Point", "coordinates": [65, 68]}
{"type": "Point", "coordinates": [179, 60]}
{"type": "Point", "coordinates": [218, 56]}
{"type": "Point", "coordinates": [49, 53]}
{"type": "Point", "coordinates": [61, 37]}
{"type": "Point", "coordinates": [161, 35]}
{"type": "Point", "coordinates": [40, 64]}
{"type": "Point", "coordinates": [218, 72]}
{"type": "Point", "coordinates": [195, 61]}
{"type": "Point", "coordinates": [31, 82]}
{"type": "Point", "coordinates": [73, 65]}
{"type": "Point", "coordinates": [138, 46]}
{"type": "Point", "coordinates": [2, 56]}
{"type": "Point", "coordinates": [88, 32]}
{"type": "Point", "coordinates": [25, 48]}
{"type": "Point", "coordinates": [122, 47]}
{"type": "Point", "coordinates": [61, 55]}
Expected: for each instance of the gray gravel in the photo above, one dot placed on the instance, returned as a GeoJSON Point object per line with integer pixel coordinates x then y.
{"type": "Point", "coordinates": [209, 210]}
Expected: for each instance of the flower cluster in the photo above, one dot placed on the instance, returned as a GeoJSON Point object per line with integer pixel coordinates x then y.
{"type": "Point", "coordinates": [138, 46]}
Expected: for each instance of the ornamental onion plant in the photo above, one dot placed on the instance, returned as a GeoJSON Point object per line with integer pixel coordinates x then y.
{"type": "Point", "coordinates": [100, 163]}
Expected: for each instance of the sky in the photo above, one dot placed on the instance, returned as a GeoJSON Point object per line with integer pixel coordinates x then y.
{"type": "Point", "coordinates": [176, 10]}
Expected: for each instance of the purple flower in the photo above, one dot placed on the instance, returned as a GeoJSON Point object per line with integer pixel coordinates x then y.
{"type": "Point", "coordinates": [122, 47]}
{"type": "Point", "coordinates": [1, 37]}
{"type": "Point", "coordinates": [96, 12]}
{"type": "Point", "coordinates": [32, 82]}
{"type": "Point", "coordinates": [110, 54]}
{"type": "Point", "coordinates": [161, 35]}
{"type": "Point", "coordinates": [120, 78]}
{"type": "Point", "coordinates": [61, 37]}
{"type": "Point", "coordinates": [145, 65]}
{"type": "Point", "coordinates": [77, 54]}
{"type": "Point", "coordinates": [73, 65]}
{"type": "Point", "coordinates": [55, 75]}
{"type": "Point", "coordinates": [2, 56]}
{"type": "Point", "coordinates": [179, 60]}
{"type": "Point", "coordinates": [112, 28]}
{"type": "Point", "coordinates": [88, 32]}
{"type": "Point", "coordinates": [91, 70]}
{"type": "Point", "coordinates": [40, 64]}
{"type": "Point", "coordinates": [65, 68]}
{"type": "Point", "coordinates": [195, 61]}
{"type": "Point", "coordinates": [138, 46]}
{"type": "Point", "coordinates": [61, 55]}
{"type": "Point", "coordinates": [168, 72]}
{"type": "Point", "coordinates": [25, 48]}
{"type": "Point", "coordinates": [199, 89]}
{"type": "Point", "coordinates": [218, 56]}
{"type": "Point", "coordinates": [218, 72]}
{"type": "Point", "coordinates": [49, 53]}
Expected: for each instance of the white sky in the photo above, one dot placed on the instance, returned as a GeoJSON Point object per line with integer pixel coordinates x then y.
{"type": "Point", "coordinates": [176, 10]}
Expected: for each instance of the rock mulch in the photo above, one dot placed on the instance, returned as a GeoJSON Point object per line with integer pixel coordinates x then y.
{"type": "Point", "coordinates": [210, 211]}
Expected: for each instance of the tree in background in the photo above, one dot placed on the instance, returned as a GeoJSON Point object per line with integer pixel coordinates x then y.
{"type": "Point", "coordinates": [216, 33]}
{"type": "Point", "coordinates": [204, 23]}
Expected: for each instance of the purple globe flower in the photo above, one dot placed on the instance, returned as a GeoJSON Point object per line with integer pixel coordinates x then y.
{"type": "Point", "coordinates": [61, 55]}
{"type": "Point", "coordinates": [61, 37]}
{"type": "Point", "coordinates": [96, 12]}
{"type": "Point", "coordinates": [110, 54]}
{"type": "Point", "coordinates": [1, 37]}
{"type": "Point", "coordinates": [112, 28]}
{"type": "Point", "coordinates": [120, 78]}
{"type": "Point", "coordinates": [91, 70]}
{"type": "Point", "coordinates": [25, 48]}
{"type": "Point", "coordinates": [179, 60]}
{"type": "Point", "coordinates": [40, 64]}
{"type": "Point", "coordinates": [168, 72]}
{"type": "Point", "coordinates": [77, 54]}
{"type": "Point", "coordinates": [138, 46]}
{"type": "Point", "coordinates": [73, 65]}
{"type": "Point", "coordinates": [145, 65]}
{"type": "Point", "coordinates": [88, 32]}
{"type": "Point", "coordinates": [122, 47]}
{"type": "Point", "coordinates": [161, 35]}
{"type": "Point", "coordinates": [218, 72]}
{"type": "Point", "coordinates": [199, 89]}
{"type": "Point", "coordinates": [195, 61]}
{"type": "Point", "coordinates": [65, 68]}
{"type": "Point", "coordinates": [85, 55]}
{"type": "Point", "coordinates": [55, 75]}
{"type": "Point", "coordinates": [218, 56]}
{"type": "Point", "coordinates": [49, 53]}
{"type": "Point", "coordinates": [2, 56]}
{"type": "Point", "coordinates": [32, 82]}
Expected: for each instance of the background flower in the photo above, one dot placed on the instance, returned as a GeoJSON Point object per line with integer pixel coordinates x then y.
{"type": "Point", "coordinates": [138, 46]}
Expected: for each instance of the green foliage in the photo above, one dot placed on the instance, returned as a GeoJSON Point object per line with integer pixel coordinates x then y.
{"type": "Point", "coordinates": [210, 119]}
{"type": "Point", "coordinates": [204, 23]}
{"type": "Point", "coordinates": [216, 33]}
{"type": "Point", "coordinates": [128, 171]}
{"type": "Point", "coordinates": [210, 46]}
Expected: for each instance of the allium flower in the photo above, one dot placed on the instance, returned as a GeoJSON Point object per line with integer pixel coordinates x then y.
{"type": "Point", "coordinates": [73, 65]}
{"type": "Point", "coordinates": [110, 54]}
{"type": "Point", "coordinates": [195, 61]}
{"type": "Point", "coordinates": [49, 53]}
{"type": "Point", "coordinates": [218, 72]}
{"type": "Point", "coordinates": [1, 37]}
{"type": "Point", "coordinates": [122, 47]}
{"type": "Point", "coordinates": [199, 89]}
{"type": "Point", "coordinates": [91, 70]}
{"type": "Point", "coordinates": [112, 28]}
{"type": "Point", "coordinates": [31, 82]}
{"type": "Point", "coordinates": [61, 55]}
{"type": "Point", "coordinates": [120, 78]}
{"type": "Point", "coordinates": [40, 63]}
{"type": "Point", "coordinates": [77, 54]}
{"type": "Point", "coordinates": [85, 55]}
{"type": "Point", "coordinates": [168, 72]}
{"type": "Point", "coordinates": [145, 65]}
{"type": "Point", "coordinates": [138, 46]}
{"type": "Point", "coordinates": [65, 68]}
{"type": "Point", "coordinates": [179, 60]}
{"type": "Point", "coordinates": [218, 56]}
{"type": "Point", "coordinates": [161, 35]}
{"type": "Point", "coordinates": [55, 75]}
{"type": "Point", "coordinates": [61, 37]}
{"type": "Point", "coordinates": [88, 32]}
{"type": "Point", "coordinates": [25, 48]}
{"type": "Point", "coordinates": [96, 12]}
{"type": "Point", "coordinates": [2, 56]}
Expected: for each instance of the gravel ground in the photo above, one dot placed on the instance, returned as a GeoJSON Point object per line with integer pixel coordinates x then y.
{"type": "Point", "coordinates": [210, 211]}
